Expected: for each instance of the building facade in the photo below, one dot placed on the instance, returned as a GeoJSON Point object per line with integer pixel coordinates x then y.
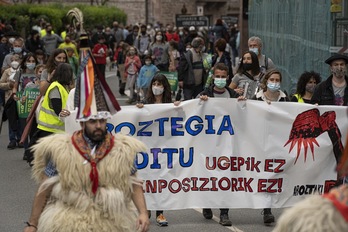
{"type": "Point", "coordinates": [165, 11]}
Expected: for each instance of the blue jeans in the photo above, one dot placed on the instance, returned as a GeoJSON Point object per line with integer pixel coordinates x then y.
{"type": "Point", "coordinates": [15, 135]}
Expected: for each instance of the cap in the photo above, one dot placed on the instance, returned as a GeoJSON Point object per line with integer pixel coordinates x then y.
{"type": "Point", "coordinates": [337, 57]}
{"type": "Point", "coordinates": [192, 28]}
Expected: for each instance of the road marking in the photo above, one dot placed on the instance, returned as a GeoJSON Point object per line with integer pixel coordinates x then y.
{"type": "Point", "coordinates": [231, 228]}
{"type": "Point", "coordinates": [110, 75]}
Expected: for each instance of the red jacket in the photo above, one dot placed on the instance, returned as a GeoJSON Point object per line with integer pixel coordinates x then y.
{"type": "Point", "coordinates": [173, 36]}
{"type": "Point", "coordinates": [100, 52]}
{"type": "Point", "coordinates": [128, 62]}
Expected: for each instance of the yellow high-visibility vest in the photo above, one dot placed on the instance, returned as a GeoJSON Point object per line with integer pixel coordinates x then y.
{"type": "Point", "coordinates": [48, 119]}
{"type": "Point", "coordinates": [299, 98]}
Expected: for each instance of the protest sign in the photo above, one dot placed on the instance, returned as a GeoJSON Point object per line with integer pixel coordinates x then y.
{"type": "Point", "coordinates": [24, 107]}
{"type": "Point", "coordinates": [228, 154]}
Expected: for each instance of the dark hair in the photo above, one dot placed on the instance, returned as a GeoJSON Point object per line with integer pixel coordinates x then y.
{"type": "Point", "coordinates": [163, 37]}
{"type": "Point", "coordinates": [39, 52]}
{"type": "Point", "coordinates": [63, 74]}
{"type": "Point", "coordinates": [25, 59]}
{"type": "Point", "coordinates": [50, 65]}
{"type": "Point", "coordinates": [218, 22]}
{"type": "Point", "coordinates": [220, 44]}
{"type": "Point", "coordinates": [220, 66]}
{"type": "Point", "coordinates": [148, 57]}
{"type": "Point", "coordinates": [33, 32]}
{"type": "Point", "coordinates": [101, 37]}
{"type": "Point", "coordinates": [254, 64]}
{"type": "Point", "coordinates": [167, 93]}
{"type": "Point", "coordinates": [267, 76]}
{"type": "Point", "coordinates": [304, 79]}
{"type": "Point", "coordinates": [174, 44]}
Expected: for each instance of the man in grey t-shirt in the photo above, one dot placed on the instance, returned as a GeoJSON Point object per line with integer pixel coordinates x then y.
{"type": "Point", "coordinates": [51, 41]}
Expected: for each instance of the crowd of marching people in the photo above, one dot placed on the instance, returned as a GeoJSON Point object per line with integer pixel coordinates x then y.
{"type": "Point", "coordinates": [38, 72]}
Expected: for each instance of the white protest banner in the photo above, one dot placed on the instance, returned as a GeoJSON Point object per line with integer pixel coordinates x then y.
{"type": "Point", "coordinates": [227, 154]}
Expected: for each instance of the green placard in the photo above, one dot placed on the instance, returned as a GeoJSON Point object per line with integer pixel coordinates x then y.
{"type": "Point", "coordinates": [172, 79]}
{"type": "Point", "coordinates": [24, 107]}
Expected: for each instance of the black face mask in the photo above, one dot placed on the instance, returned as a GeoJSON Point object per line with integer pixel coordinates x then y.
{"type": "Point", "coordinates": [143, 32]}
{"type": "Point", "coordinates": [56, 63]}
{"type": "Point", "coordinates": [247, 66]}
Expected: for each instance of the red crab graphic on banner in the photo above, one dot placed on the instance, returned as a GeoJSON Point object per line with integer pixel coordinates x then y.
{"type": "Point", "coordinates": [308, 126]}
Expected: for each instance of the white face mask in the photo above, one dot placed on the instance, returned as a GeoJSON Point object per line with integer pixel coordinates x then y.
{"type": "Point", "coordinates": [14, 64]}
{"type": "Point", "coordinates": [11, 40]}
{"type": "Point", "coordinates": [147, 62]}
{"type": "Point", "coordinates": [157, 90]}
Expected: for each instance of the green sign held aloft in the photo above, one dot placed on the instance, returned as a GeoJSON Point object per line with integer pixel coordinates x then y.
{"type": "Point", "coordinates": [26, 101]}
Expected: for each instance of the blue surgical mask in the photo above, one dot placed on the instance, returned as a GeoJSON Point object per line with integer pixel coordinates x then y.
{"type": "Point", "coordinates": [273, 87]}
{"type": "Point", "coordinates": [30, 66]}
{"type": "Point", "coordinates": [255, 50]}
{"type": "Point", "coordinates": [220, 82]}
{"type": "Point", "coordinates": [17, 50]}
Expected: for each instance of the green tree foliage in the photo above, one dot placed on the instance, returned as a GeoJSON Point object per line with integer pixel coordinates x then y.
{"type": "Point", "coordinates": [27, 14]}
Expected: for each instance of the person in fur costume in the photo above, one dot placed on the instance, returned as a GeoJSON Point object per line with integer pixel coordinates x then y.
{"type": "Point", "coordinates": [94, 186]}
{"type": "Point", "coordinates": [320, 213]}
{"type": "Point", "coordinates": [88, 180]}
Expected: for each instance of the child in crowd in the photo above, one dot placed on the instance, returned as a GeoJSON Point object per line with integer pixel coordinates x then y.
{"type": "Point", "coordinates": [36, 83]}
{"type": "Point", "coordinates": [100, 52]}
{"type": "Point", "coordinates": [132, 66]}
{"type": "Point", "coordinates": [147, 72]}
{"type": "Point", "coordinates": [72, 59]}
{"type": "Point", "coordinates": [120, 58]}
{"type": "Point", "coordinates": [173, 49]}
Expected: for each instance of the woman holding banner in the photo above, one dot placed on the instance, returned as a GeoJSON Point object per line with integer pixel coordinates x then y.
{"type": "Point", "coordinates": [271, 93]}
{"type": "Point", "coordinates": [305, 87]}
{"type": "Point", "coordinates": [247, 80]}
{"type": "Point", "coordinates": [158, 93]}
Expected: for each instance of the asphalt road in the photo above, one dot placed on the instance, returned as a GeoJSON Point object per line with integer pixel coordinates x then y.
{"type": "Point", "coordinates": [17, 191]}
